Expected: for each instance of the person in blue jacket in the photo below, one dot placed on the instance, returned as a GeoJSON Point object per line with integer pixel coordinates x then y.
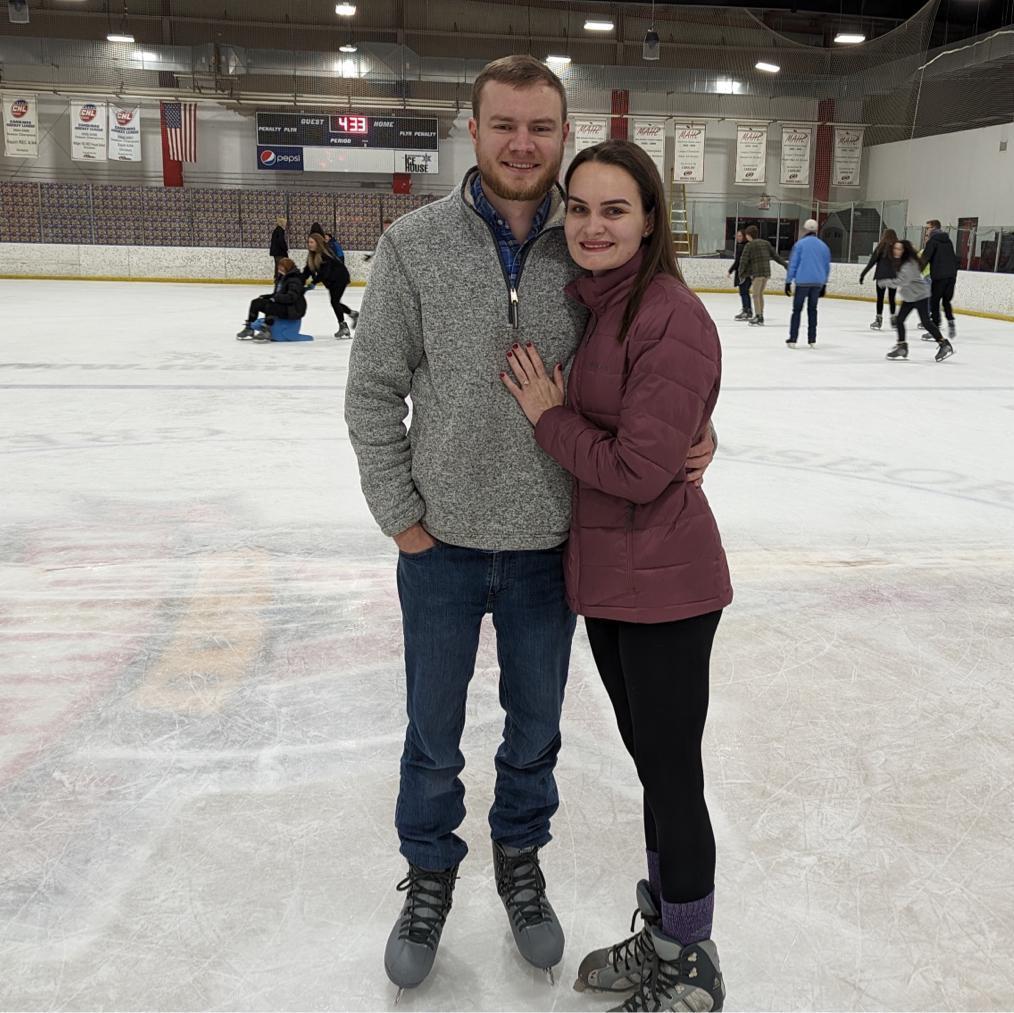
{"type": "Point", "coordinates": [810, 268]}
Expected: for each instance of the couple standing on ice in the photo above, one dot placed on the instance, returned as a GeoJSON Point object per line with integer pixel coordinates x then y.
{"type": "Point", "coordinates": [563, 379]}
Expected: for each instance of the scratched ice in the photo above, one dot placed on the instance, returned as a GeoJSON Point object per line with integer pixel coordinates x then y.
{"type": "Point", "coordinates": [201, 690]}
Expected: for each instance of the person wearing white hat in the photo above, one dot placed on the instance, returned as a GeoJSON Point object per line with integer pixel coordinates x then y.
{"type": "Point", "coordinates": [810, 268]}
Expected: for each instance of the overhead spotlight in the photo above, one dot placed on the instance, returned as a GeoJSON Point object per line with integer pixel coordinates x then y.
{"type": "Point", "coordinates": [119, 37]}
{"type": "Point", "coordinates": [348, 48]}
{"type": "Point", "coordinates": [651, 48]}
{"type": "Point", "coordinates": [768, 68]}
{"type": "Point", "coordinates": [595, 25]}
{"type": "Point", "coordinates": [849, 38]}
{"type": "Point", "coordinates": [560, 61]}
{"type": "Point", "coordinates": [345, 10]}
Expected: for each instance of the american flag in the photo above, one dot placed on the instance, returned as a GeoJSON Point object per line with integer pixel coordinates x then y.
{"type": "Point", "coordinates": [179, 125]}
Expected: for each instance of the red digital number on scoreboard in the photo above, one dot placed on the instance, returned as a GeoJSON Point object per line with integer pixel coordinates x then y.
{"type": "Point", "coordinates": [352, 124]}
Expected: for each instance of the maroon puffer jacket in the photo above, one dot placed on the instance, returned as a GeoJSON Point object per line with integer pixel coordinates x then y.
{"type": "Point", "coordinates": [644, 546]}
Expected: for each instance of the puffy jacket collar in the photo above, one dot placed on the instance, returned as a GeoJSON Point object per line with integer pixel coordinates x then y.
{"type": "Point", "coordinates": [556, 204]}
{"type": "Point", "coordinates": [600, 292]}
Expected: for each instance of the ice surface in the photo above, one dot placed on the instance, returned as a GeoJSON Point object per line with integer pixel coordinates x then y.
{"type": "Point", "coordinates": [201, 689]}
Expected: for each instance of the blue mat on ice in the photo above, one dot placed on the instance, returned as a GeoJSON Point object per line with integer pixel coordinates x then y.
{"type": "Point", "coordinates": [283, 330]}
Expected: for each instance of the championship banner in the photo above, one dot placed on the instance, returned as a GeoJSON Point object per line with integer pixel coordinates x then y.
{"type": "Point", "coordinates": [88, 131]}
{"type": "Point", "coordinates": [689, 167]}
{"type": "Point", "coordinates": [650, 135]}
{"type": "Point", "coordinates": [751, 152]}
{"type": "Point", "coordinates": [124, 133]}
{"type": "Point", "coordinates": [589, 132]}
{"type": "Point", "coordinates": [21, 125]}
{"type": "Point", "coordinates": [796, 143]}
{"type": "Point", "coordinates": [848, 156]}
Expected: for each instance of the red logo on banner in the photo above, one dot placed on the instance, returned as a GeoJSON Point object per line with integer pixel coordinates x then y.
{"type": "Point", "coordinates": [19, 108]}
{"type": "Point", "coordinates": [88, 112]}
{"type": "Point", "coordinates": [124, 116]}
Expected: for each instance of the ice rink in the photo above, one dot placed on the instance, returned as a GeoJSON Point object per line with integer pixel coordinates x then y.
{"type": "Point", "coordinates": [201, 691]}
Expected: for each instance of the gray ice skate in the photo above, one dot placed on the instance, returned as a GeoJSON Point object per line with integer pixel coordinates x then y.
{"type": "Point", "coordinates": [683, 978]}
{"type": "Point", "coordinates": [522, 888]}
{"type": "Point", "coordinates": [247, 332]}
{"type": "Point", "coordinates": [343, 333]}
{"type": "Point", "coordinates": [878, 322]}
{"type": "Point", "coordinates": [412, 944]}
{"type": "Point", "coordinates": [354, 315]}
{"type": "Point", "coordinates": [618, 968]}
{"type": "Point", "coordinates": [900, 351]}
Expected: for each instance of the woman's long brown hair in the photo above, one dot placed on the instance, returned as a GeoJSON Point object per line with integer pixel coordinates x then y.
{"type": "Point", "coordinates": [887, 241]}
{"type": "Point", "coordinates": [659, 250]}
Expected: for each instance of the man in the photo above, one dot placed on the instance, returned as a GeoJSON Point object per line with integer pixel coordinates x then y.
{"type": "Point", "coordinates": [939, 256]}
{"type": "Point", "coordinates": [478, 512]}
{"type": "Point", "coordinates": [810, 268]}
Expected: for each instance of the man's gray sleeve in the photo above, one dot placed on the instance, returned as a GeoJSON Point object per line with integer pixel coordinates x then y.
{"type": "Point", "coordinates": [387, 349]}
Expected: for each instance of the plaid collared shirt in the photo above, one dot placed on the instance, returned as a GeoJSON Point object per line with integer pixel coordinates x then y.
{"type": "Point", "coordinates": [507, 246]}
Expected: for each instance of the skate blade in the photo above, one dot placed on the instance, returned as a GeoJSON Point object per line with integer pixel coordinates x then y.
{"type": "Point", "coordinates": [552, 977]}
{"type": "Point", "coordinates": [397, 998]}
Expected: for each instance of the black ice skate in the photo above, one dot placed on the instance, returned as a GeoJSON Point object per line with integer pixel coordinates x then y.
{"type": "Point", "coordinates": [900, 351]}
{"type": "Point", "coordinates": [742, 316]}
{"type": "Point", "coordinates": [412, 944]}
{"type": "Point", "coordinates": [877, 323]}
{"type": "Point", "coordinates": [944, 351]}
{"type": "Point", "coordinates": [894, 319]}
{"type": "Point", "coordinates": [952, 329]}
{"type": "Point", "coordinates": [522, 888]}
{"type": "Point", "coordinates": [757, 321]}
{"type": "Point", "coordinates": [354, 315]}
{"type": "Point", "coordinates": [343, 333]}
{"type": "Point", "coordinates": [247, 332]}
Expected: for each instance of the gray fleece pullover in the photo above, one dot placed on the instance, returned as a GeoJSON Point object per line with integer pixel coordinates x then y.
{"type": "Point", "coordinates": [436, 323]}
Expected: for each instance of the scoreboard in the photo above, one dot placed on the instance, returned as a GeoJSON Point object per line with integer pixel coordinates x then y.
{"type": "Point", "coordinates": [347, 142]}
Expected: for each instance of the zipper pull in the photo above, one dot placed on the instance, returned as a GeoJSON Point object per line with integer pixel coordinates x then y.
{"type": "Point", "coordinates": [514, 308]}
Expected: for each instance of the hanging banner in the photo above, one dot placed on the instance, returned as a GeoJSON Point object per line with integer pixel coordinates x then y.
{"type": "Point", "coordinates": [589, 132]}
{"type": "Point", "coordinates": [650, 135]}
{"type": "Point", "coordinates": [124, 133]}
{"type": "Point", "coordinates": [848, 156]}
{"type": "Point", "coordinates": [751, 152]}
{"type": "Point", "coordinates": [796, 144]}
{"type": "Point", "coordinates": [21, 125]}
{"type": "Point", "coordinates": [88, 131]}
{"type": "Point", "coordinates": [689, 166]}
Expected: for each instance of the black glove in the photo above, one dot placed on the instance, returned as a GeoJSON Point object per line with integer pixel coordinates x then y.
{"type": "Point", "coordinates": [862, 278]}
{"type": "Point", "coordinates": [788, 288]}
{"type": "Point", "coordinates": [823, 291]}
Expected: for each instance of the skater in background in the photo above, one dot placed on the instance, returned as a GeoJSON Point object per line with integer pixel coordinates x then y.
{"type": "Point", "coordinates": [334, 246]}
{"type": "Point", "coordinates": [324, 268]}
{"type": "Point", "coordinates": [644, 560]}
{"type": "Point", "coordinates": [915, 290]}
{"type": "Point", "coordinates": [939, 256]}
{"type": "Point", "coordinates": [316, 227]}
{"type": "Point", "coordinates": [882, 266]}
{"type": "Point", "coordinates": [286, 302]}
{"type": "Point", "coordinates": [810, 268]}
{"type": "Point", "coordinates": [744, 284]}
{"type": "Point", "coordinates": [755, 263]}
{"type": "Point", "coordinates": [279, 245]}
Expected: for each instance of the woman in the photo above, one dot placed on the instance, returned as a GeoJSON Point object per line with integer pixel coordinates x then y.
{"type": "Point", "coordinates": [915, 290]}
{"type": "Point", "coordinates": [755, 263]}
{"type": "Point", "coordinates": [287, 301]}
{"type": "Point", "coordinates": [323, 267]}
{"type": "Point", "coordinates": [644, 562]}
{"type": "Point", "coordinates": [279, 245]}
{"type": "Point", "coordinates": [744, 284]}
{"type": "Point", "coordinates": [880, 264]}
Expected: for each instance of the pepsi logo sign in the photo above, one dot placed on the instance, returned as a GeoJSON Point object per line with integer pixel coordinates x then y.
{"type": "Point", "coordinates": [19, 108]}
{"type": "Point", "coordinates": [268, 157]}
{"type": "Point", "coordinates": [88, 112]}
{"type": "Point", "coordinates": [124, 117]}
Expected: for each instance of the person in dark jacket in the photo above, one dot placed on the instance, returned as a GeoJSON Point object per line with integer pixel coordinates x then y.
{"type": "Point", "coordinates": [755, 263]}
{"type": "Point", "coordinates": [334, 246]}
{"type": "Point", "coordinates": [744, 285]}
{"type": "Point", "coordinates": [939, 256]}
{"type": "Point", "coordinates": [882, 265]}
{"type": "Point", "coordinates": [324, 268]}
{"type": "Point", "coordinates": [286, 301]}
{"type": "Point", "coordinates": [644, 561]}
{"type": "Point", "coordinates": [915, 290]}
{"type": "Point", "coordinates": [316, 227]}
{"type": "Point", "coordinates": [279, 245]}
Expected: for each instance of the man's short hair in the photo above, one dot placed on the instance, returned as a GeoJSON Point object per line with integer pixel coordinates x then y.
{"type": "Point", "coordinates": [751, 231]}
{"type": "Point", "coordinates": [933, 223]}
{"type": "Point", "coordinates": [518, 71]}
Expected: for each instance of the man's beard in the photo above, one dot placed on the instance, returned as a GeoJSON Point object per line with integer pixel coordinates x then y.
{"type": "Point", "coordinates": [490, 170]}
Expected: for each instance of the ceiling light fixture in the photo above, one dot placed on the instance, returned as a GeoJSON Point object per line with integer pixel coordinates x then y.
{"type": "Point", "coordinates": [345, 10]}
{"type": "Point", "coordinates": [595, 25]}
{"type": "Point", "coordinates": [850, 38]}
{"type": "Point", "coordinates": [560, 60]}
{"type": "Point", "coordinates": [651, 48]}
{"type": "Point", "coordinates": [119, 37]}
{"type": "Point", "coordinates": [768, 68]}
{"type": "Point", "coordinates": [348, 48]}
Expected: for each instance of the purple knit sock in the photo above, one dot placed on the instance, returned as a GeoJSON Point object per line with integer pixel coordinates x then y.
{"type": "Point", "coordinates": [654, 876]}
{"type": "Point", "coordinates": [690, 922]}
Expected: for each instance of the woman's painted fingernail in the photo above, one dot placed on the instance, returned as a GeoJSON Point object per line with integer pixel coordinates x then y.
{"type": "Point", "coordinates": [515, 345]}
{"type": "Point", "coordinates": [528, 344]}
{"type": "Point", "coordinates": [503, 376]}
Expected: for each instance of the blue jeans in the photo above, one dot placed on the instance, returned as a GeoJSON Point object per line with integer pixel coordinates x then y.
{"type": "Point", "coordinates": [809, 294]}
{"type": "Point", "coordinates": [445, 592]}
{"type": "Point", "coordinates": [744, 295]}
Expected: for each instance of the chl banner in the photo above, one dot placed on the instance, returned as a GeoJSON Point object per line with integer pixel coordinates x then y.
{"type": "Point", "coordinates": [88, 131]}
{"type": "Point", "coordinates": [589, 132]}
{"type": "Point", "coordinates": [650, 135]}
{"type": "Point", "coordinates": [751, 152]}
{"type": "Point", "coordinates": [124, 133]}
{"type": "Point", "coordinates": [848, 156]}
{"type": "Point", "coordinates": [689, 167]}
{"type": "Point", "coordinates": [21, 125]}
{"type": "Point", "coordinates": [796, 143]}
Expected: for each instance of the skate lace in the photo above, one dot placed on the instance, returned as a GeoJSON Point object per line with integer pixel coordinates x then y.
{"type": "Point", "coordinates": [635, 950]}
{"type": "Point", "coordinates": [520, 874]}
{"type": "Point", "coordinates": [657, 983]}
{"type": "Point", "coordinates": [429, 900]}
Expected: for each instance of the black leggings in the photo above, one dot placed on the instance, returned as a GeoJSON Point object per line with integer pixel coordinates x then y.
{"type": "Point", "coordinates": [266, 305]}
{"type": "Point", "coordinates": [922, 308]}
{"type": "Point", "coordinates": [942, 291]}
{"type": "Point", "coordinates": [657, 677]}
{"type": "Point", "coordinates": [880, 300]}
{"type": "Point", "coordinates": [340, 309]}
